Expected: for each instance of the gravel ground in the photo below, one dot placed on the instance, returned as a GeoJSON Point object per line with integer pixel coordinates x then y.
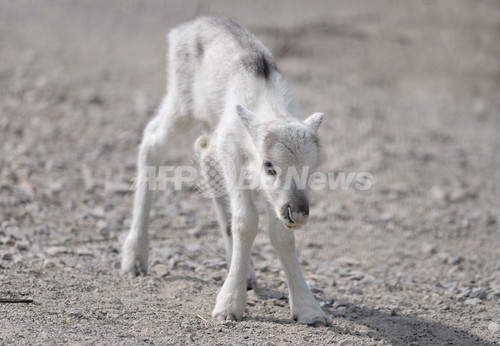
{"type": "Point", "coordinates": [411, 94]}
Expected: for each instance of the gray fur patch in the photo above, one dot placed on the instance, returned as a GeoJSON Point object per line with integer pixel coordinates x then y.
{"type": "Point", "coordinates": [274, 137]}
{"type": "Point", "coordinates": [270, 140]}
{"type": "Point", "coordinates": [199, 49]}
{"type": "Point", "coordinates": [259, 64]}
{"type": "Point", "coordinates": [257, 59]}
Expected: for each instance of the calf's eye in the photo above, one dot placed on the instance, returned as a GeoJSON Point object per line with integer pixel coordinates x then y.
{"type": "Point", "coordinates": [268, 166]}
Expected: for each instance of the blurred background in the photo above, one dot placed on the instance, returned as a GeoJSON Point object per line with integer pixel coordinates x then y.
{"type": "Point", "coordinates": [411, 94]}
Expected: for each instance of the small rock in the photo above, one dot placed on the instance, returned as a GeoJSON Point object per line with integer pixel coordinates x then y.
{"type": "Point", "coordinates": [451, 258]}
{"type": "Point", "coordinates": [479, 292]}
{"type": "Point", "coordinates": [106, 231]}
{"type": "Point", "coordinates": [217, 277]}
{"type": "Point", "coordinates": [457, 195]}
{"type": "Point", "coordinates": [410, 278]}
{"type": "Point", "coordinates": [438, 194]}
{"type": "Point", "coordinates": [161, 270]}
{"type": "Point", "coordinates": [56, 250]}
{"type": "Point", "coordinates": [90, 96]}
{"type": "Point", "coordinates": [429, 249]}
{"type": "Point", "coordinates": [165, 251]}
{"type": "Point", "coordinates": [117, 187]}
{"type": "Point", "coordinates": [490, 220]}
{"type": "Point", "coordinates": [16, 233]}
{"type": "Point", "coordinates": [328, 303]}
{"type": "Point", "coordinates": [197, 232]}
{"type": "Point", "coordinates": [340, 302]}
{"type": "Point", "coordinates": [348, 262]}
{"type": "Point", "coordinates": [341, 311]}
{"type": "Point", "coordinates": [77, 314]}
{"type": "Point", "coordinates": [23, 246]}
{"type": "Point", "coordinates": [194, 248]}
{"type": "Point", "coordinates": [187, 265]}
{"type": "Point", "coordinates": [368, 279]}
{"type": "Point", "coordinates": [98, 212]}
{"type": "Point", "coordinates": [7, 257]}
{"type": "Point", "coordinates": [101, 223]}
{"type": "Point", "coordinates": [343, 273]}
{"type": "Point", "coordinates": [348, 342]}
{"type": "Point", "coordinates": [472, 301]}
{"type": "Point", "coordinates": [464, 294]}
{"type": "Point", "coordinates": [356, 275]}
{"type": "Point", "coordinates": [486, 281]}
{"type": "Point", "coordinates": [495, 292]}
{"type": "Point", "coordinates": [494, 327]}
{"type": "Point", "coordinates": [356, 290]}
{"type": "Point", "coordinates": [84, 251]}
{"type": "Point", "coordinates": [48, 264]}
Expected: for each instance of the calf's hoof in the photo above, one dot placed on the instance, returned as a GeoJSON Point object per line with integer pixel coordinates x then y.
{"type": "Point", "coordinates": [224, 316]}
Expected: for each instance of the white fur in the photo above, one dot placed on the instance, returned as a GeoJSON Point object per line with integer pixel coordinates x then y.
{"type": "Point", "coordinates": [217, 73]}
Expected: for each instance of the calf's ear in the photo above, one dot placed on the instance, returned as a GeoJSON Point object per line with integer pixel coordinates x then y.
{"type": "Point", "coordinates": [248, 119]}
{"type": "Point", "coordinates": [314, 121]}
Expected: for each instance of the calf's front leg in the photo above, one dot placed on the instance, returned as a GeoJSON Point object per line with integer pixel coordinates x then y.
{"type": "Point", "coordinates": [231, 300]}
{"type": "Point", "coordinates": [305, 308]}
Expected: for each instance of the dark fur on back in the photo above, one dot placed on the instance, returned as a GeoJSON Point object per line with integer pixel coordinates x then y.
{"type": "Point", "coordinates": [257, 59]}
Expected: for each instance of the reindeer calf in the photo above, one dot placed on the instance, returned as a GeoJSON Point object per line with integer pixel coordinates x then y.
{"type": "Point", "coordinates": [217, 73]}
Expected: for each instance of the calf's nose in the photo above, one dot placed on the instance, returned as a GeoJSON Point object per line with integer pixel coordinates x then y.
{"type": "Point", "coordinates": [296, 214]}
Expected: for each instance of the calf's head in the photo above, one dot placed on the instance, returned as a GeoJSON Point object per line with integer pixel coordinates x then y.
{"type": "Point", "coordinates": [287, 154]}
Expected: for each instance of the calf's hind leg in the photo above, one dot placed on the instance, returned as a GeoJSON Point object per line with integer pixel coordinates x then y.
{"type": "Point", "coordinates": [159, 133]}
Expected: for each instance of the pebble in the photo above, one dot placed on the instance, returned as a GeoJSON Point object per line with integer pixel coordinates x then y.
{"type": "Point", "coordinates": [368, 279]}
{"type": "Point", "coordinates": [341, 311]}
{"type": "Point", "coordinates": [23, 246]}
{"type": "Point", "coordinates": [106, 231]}
{"type": "Point", "coordinates": [194, 248]}
{"type": "Point", "coordinates": [450, 258]}
{"type": "Point", "coordinates": [16, 233]}
{"type": "Point", "coordinates": [48, 264]}
{"type": "Point", "coordinates": [161, 270]}
{"type": "Point", "coordinates": [356, 275]}
{"type": "Point", "coordinates": [472, 301]}
{"type": "Point", "coordinates": [346, 261]}
{"type": "Point", "coordinates": [494, 327]}
{"type": "Point", "coordinates": [429, 249]}
{"type": "Point", "coordinates": [464, 294]}
{"type": "Point", "coordinates": [438, 194]}
{"type": "Point", "coordinates": [77, 314]}
{"type": "Point", "coordinates": [356, 290]}
{"type": "Point", "coordinates": [56, 250]}
{"type": "Point", "coordinates": [7, 257]}
{"type": "Point", "coordinates": [479, 292]}
{"type": "Point", "coordinates": [328, 303]}
{"type": "Point", "coordinates": [187, 265]}
{"type": "Point", "coordinates": [340, 302]}
{"type": "Point", "coordinates": [457, 195]}
{"type": "Point", "coordinates": [348, 342]}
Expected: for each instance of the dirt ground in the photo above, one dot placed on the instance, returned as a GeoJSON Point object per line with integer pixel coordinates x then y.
{"type": "Point", "coordinates": [411, 94]}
